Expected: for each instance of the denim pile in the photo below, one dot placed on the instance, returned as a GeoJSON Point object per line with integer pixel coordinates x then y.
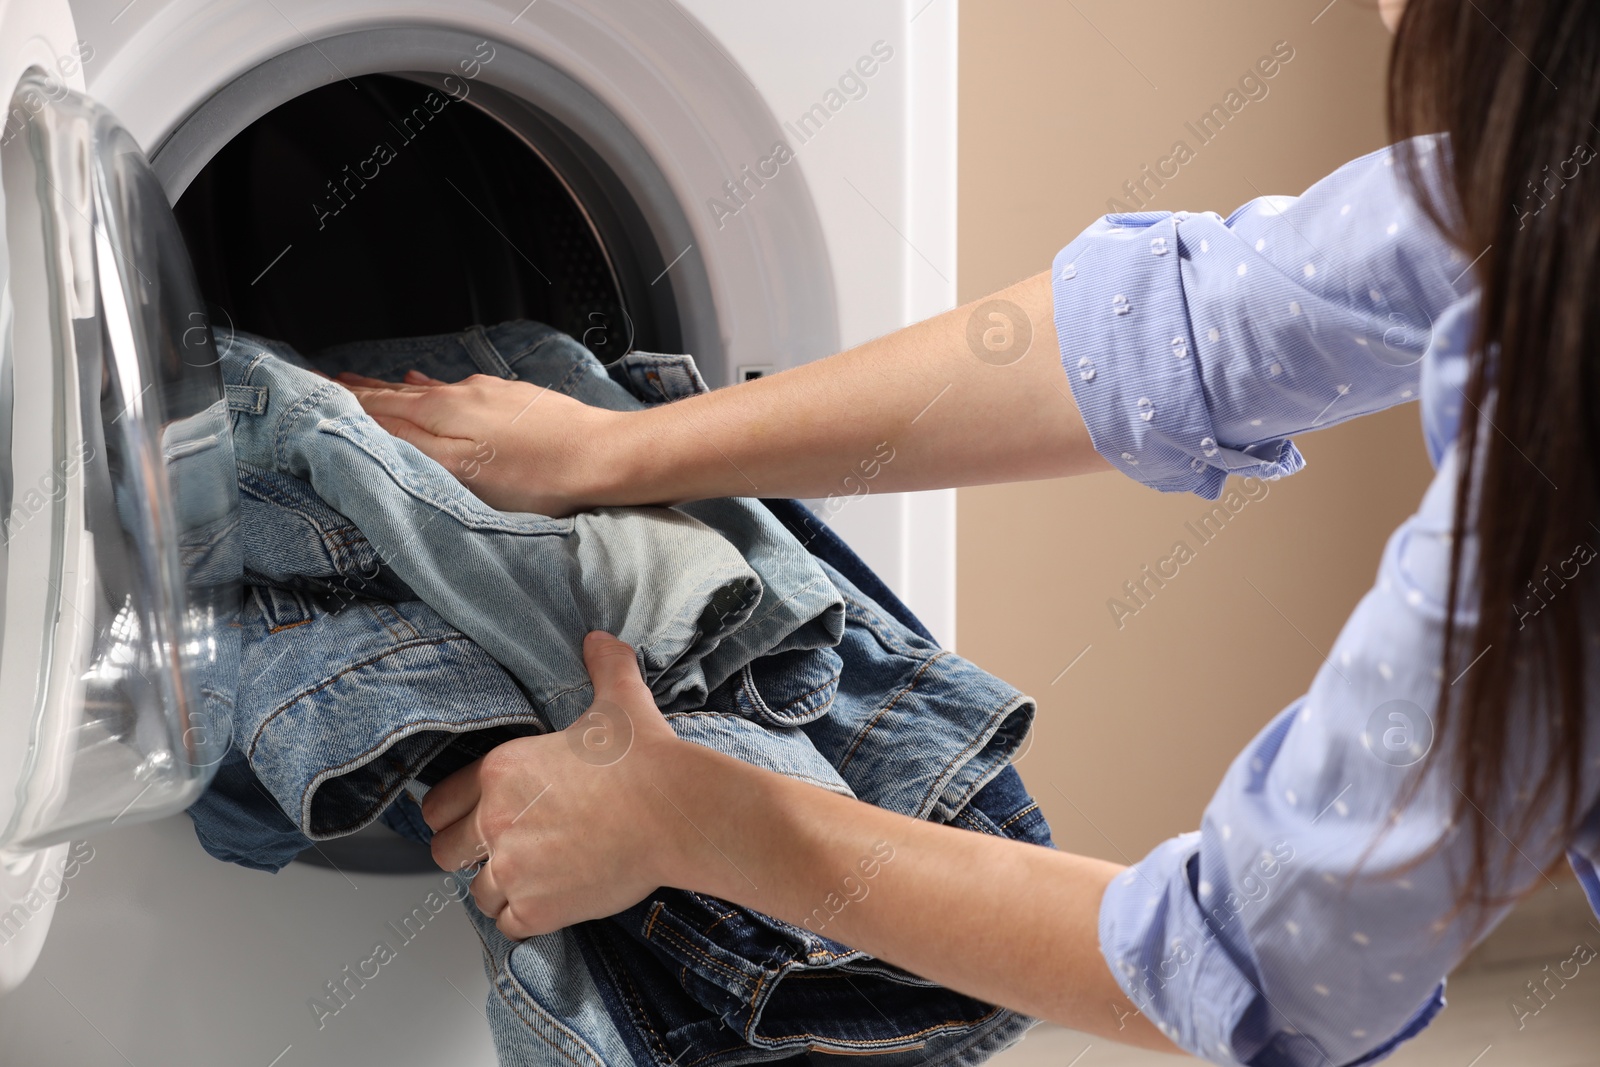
{"type": "Point", "coordinates": [395, 628]}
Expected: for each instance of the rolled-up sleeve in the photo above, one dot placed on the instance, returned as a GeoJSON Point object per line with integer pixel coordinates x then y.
{"type": "Point", "coordinates": [1197, 345]}
{"type": "Point", "coordinates": [1310, 920]}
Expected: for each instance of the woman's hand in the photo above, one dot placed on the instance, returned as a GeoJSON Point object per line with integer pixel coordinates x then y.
{"type": "Point", "coordinates": [583, 823]}
{"type": "Point", "coordinates": [515, 445]}
{"type": "Point", "coordinates": [569, 822]}
{"type": "Point", "coordinates": [921, 408]}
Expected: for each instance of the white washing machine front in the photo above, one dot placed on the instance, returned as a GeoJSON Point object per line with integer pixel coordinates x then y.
{"type": "Point", "coordinates": [661, 122]}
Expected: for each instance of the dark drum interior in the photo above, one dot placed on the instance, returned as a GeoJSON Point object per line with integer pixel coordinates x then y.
{"type": "Point", "coordinates": [384, 207]}
{"type": "Point", "coordinates": [381, 207]}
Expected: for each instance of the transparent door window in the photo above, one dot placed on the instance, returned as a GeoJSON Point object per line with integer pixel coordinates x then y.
{"type": "Point", "coordinates": [119, 558]}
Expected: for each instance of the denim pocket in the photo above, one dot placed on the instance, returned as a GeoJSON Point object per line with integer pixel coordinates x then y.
{"type": "Point", "coordinates": [432, 484]}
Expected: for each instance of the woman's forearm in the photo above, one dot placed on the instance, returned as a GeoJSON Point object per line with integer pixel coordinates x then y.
{"type": "Point", "coordinates": [1010, 923]}
{"type": "Point", "coordinates": [976, 395]}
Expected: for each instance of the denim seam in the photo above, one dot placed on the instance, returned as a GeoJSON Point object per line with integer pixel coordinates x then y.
{"type": "Point", "coordinates": [960, 760]}
{"type": "Point", "coordinates": [880, 628]}
{"type": "Point", "coordinates": [530, 349]}
{"type": "Point", "coordinates": [965, 818]}
{"type": "Point", "coordinates": [481, 350]}
{"type": "Point", "coordinates": [760, 701]}
{"type": "Point", "coordinates": [755, 1013]}
{"type": "Point", "coordinates": [669, 934]}
{"type": "Point", "coordinates": [1032, 807]}
{"type": "Point", "coordinates": [266, 491]}
{"type": "Point", "coordinates": [871, 724]}
{"type": "Point", "coordinates": [293, 415]}
{"type": "Point", "coordinates": [250, 368]}
{"type": "Point", "coordinates": [889, 1041]}
{"type": "Point", "coordinates": [573, 373]}
{"type": "Point", "coordinates": [390, 620]}
{"type": "Point", "coordinates": [385, 796]}
{"type": "Point", "coordinates": [386, 653]}
{"type": "Point", "coordinates": [623, 983]}
{"type": "Point", "coordinates": [543, 1022]}
{"type": "Point", "coordinates": [626, 987]}
{"type": "Point", "coordinates": [380, 746]}
{"type": "Point", "coordinates": [638, 1006]}
{"type": "Point", "coordinates": [724, 917]}
{"type": "Point", "coordinates": [964, 757]}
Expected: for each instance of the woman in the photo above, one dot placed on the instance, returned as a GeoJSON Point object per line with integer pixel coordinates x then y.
{"type": "Point", "coordinates": [1349, 858]}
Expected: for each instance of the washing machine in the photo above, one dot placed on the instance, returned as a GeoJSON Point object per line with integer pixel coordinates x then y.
{"type": "Point", "coordinates": [759, 184]}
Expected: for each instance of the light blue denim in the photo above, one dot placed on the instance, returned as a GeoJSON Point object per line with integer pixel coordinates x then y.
{"type": "Point", "coordinates": [699, 592]}
{"type": "Point", "coordinates": [344, 699]}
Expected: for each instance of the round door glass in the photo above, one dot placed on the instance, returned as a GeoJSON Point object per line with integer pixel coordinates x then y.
{"type": "Point", "coordinates": [119, 562]}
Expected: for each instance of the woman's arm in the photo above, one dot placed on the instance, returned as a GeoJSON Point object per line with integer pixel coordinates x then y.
{"type": "Point", "coordinates": [1194, 347]}
{"type": "Point", "coordinates": [1006, 922]}
{"type": "Point", "coordinates": [972, 396]}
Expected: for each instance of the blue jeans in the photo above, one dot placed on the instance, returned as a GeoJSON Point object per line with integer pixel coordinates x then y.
{"type": "Point", "coordinates": [354, 686]}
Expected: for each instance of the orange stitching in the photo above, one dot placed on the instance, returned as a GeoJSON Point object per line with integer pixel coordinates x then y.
{"type": "Point", "coordinates": [1030, 808]}
{"type": "Point", "coordinates": [754, 998]}
{"type": "Point", "coordinates": [287, 626]}
{"type": "Point", "coordinates": [687, 946]}
{"type": "Point", "coordinates": [720, 920]}
{"type": "Point", "coordinates": [880, 1041]}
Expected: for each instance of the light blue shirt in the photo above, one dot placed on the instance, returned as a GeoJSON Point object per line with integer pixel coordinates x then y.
{"type": "Point", "coordinates": [1196, 346]}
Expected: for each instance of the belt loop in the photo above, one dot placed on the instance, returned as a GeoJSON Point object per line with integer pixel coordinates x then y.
{"type": "Point", "coordinates": [485, 355]}
{"type": "Point", "coordinates": [250, 399]}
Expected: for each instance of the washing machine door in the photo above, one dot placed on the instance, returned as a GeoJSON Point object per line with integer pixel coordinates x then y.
{"type": "Point", "coordinates": [119, 561]}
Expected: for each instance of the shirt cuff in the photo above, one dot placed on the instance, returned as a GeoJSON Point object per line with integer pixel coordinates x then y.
{"type": "Point", "coordinates": [1130, 353]}
{"type": "Point", "coordinates": [1185, 985]}
{"type": "Point", "coordinates": [1203, 993]}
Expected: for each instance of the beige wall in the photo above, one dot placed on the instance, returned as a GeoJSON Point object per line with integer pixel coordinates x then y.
{"type": "Point", "coordinates": [1131, 742]}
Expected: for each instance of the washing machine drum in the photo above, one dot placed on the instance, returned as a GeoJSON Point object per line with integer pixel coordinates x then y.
{"type": "Point", "coordinates": [120, 566]}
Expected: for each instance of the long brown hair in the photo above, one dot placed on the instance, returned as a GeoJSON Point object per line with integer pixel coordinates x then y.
{"type": "Point", "coordinates": [1516, 86]}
